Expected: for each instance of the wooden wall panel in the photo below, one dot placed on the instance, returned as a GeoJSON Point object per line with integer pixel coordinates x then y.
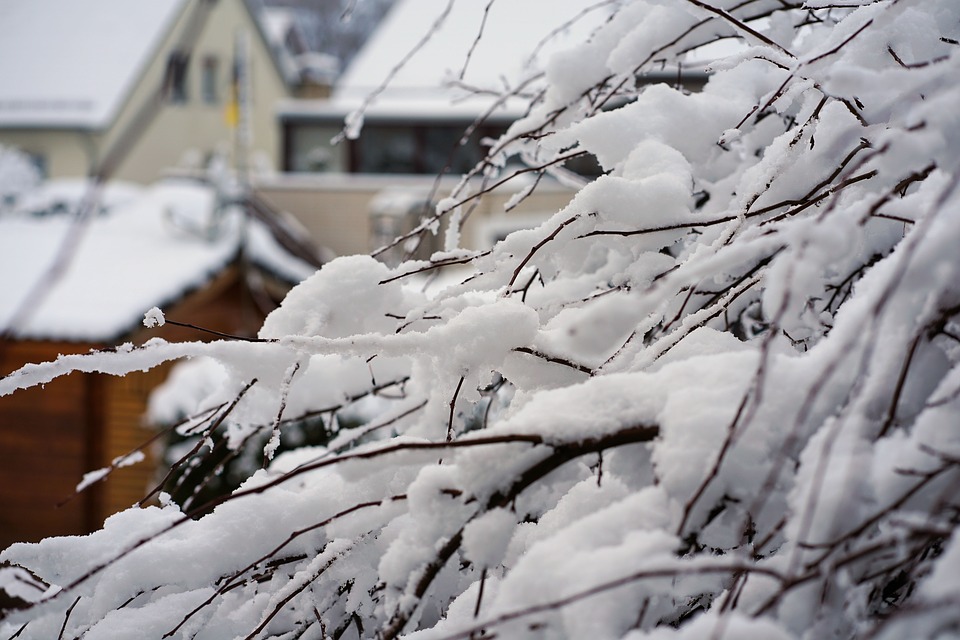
{"type": "Point", "coordinates": [125, 403]}
{"type": "Point", "coordinates": [50, 437]}
{"type": "Point", "coordinates": [46, 442]}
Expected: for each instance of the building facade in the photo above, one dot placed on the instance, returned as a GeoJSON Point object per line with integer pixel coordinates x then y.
{"type": "Point", "coordinates": [127, 90]}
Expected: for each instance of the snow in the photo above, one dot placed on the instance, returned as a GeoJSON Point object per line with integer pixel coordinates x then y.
{"type": "Point", "coordinates": [278, 23]}
{"type": "Point", "coordinates": [265, 250]}
{"type": "Point", "coordinates": [153, 318]}
{"type": "Point", "coordinates": [67, 64]}
{"type": "Point", "coordinates": [188, 384]}
{"type": "Point", "coordinates": [119, 462]}
{"type": "Point", "coordinates": [342, 299]}
{"type": "Point", "coordinates": [18, 583]}
{"type": "Point", "coordinates": [485, 539]}
{"type": "Point", "coordinates": [138, 249]}
{"type": "Point", "coordinates": [713, 396]}
{"type": "Point", "coordinates": [126, 261]}
{"type": "Point", "coordinates": [516, 39]}
{"type": "Point", "coordinates": [64, 195]}
{"type": "Point", "coordinates": [17, 175]}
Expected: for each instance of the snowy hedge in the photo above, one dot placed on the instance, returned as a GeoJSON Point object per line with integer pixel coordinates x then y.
{"type": "Point", "coordinates": [17, 175]}
{"type": "Point", "coordinates": [716, 396]}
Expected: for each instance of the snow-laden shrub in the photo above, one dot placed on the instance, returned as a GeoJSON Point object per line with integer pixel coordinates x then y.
{"type": "Point", "coordinates": [18, 174]}
{"type": "Point", "coordinates": [716, 396]}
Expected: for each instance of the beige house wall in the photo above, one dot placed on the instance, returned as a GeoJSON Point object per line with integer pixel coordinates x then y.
{"type": "Point", "coordinates": [336, 208]}
{"type": "Point", "coordinates": [178, 127]}
{"type": "Point", "coordinates": [64, 153]}
{"type": "Point", "coordinates": [196, 125]}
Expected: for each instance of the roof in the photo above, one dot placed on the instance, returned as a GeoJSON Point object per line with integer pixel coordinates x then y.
{"type": "Point", "coordinates": [149, 248]}
{"type": "Point", "coordinates": [515, 41]}
{"type": "Point", "coordinates": [72, 64]}
{"type": "Point", "coordinates": [284, 34]}
{"type": "Point", "coordinates": [280, 30]}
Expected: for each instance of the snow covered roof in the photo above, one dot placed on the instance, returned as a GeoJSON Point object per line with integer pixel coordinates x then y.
{"type": "Point", "coordinates": [288, 44]}
{"type": "Point", "coordinates": [148, 249]}
{"type": "Point", "coordinates": [516, 38]}
{"type": "Point", "coordinates": [65, 63]}
{"type": "Point", "coordinates": [277, 24]}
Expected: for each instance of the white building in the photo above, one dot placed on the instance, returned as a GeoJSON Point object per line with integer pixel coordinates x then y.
{"type": "Point", "coordinates": [126, 89]}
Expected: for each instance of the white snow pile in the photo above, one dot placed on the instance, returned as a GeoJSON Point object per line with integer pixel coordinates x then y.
{"type": "Point", "coordinates": [716, 396]}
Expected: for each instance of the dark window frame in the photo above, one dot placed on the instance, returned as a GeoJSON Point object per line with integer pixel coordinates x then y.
{"type": "Point", "coordinates": [175, 78]}
{"type": "Point", "coordinates": [422, 163]}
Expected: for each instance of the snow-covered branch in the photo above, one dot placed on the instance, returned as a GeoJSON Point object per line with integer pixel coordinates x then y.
{"type": "Point", "coordinates": [714, 396]}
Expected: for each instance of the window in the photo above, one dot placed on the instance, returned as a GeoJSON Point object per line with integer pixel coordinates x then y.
{"type": "Point", "coordinates": [441, 148]}
{"type": "Point", "coordinates": [209, 80]}
{"type": "Point", "coordinates": [175, 80]}
{"type": "Point", "coordinates": [387, 150]}
{"type": "Point", "coordinates": [417, 148]}
{"type": "Point", "coordinates": [386, 147]}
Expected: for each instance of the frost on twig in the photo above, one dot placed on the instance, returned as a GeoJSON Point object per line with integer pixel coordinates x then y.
{"type": "Point", "coordinates": [153, 318]}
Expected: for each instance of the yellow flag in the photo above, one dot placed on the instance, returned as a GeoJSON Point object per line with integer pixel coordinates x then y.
{"type": "Point", "coordinates": [231, 112]}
